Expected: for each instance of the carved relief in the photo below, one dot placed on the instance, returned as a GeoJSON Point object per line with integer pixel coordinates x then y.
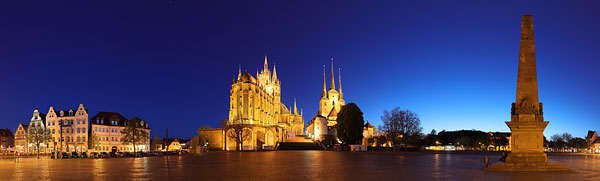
{"type": "Point", "coordinates": [526, 106]}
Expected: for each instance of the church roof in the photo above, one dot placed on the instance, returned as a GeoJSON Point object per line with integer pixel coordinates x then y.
{"type": "Point", "coordinates": [333, 112]}
{"type": "Point", "coordinates": [368, 125]}
{"type": "Point", "coordinates": [590, 134]}
{"type": "Point", "coordinates": [248, 78]}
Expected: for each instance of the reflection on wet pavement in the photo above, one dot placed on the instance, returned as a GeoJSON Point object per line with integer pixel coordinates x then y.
{"type": "Point", "coordinates": [288, 165]}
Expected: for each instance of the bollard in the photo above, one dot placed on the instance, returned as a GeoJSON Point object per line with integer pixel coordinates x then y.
{"type": "Point", "coordinates": [486, 161]}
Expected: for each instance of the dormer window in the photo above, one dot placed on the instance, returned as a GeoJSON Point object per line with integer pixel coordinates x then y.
{"type": "Point", "coordinates": [62, 113]}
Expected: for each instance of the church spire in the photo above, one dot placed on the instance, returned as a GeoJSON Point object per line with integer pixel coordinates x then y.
{"type": "Point", "coordinates": [295, 108]}
{"type": "Point", "coordinates": [240, 73]}
{"type": "Point", "coordinates": [332, 83]}
{"type": "Point", "coordinates": [274, 73]}
{"type": "Point", "coordinates": [340, 82]}
{"type": "Point", "coordinates": [324, 93]}
{"type": "Point", "coordinates": [266, 64]}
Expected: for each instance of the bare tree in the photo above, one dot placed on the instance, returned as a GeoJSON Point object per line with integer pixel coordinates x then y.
{"type": "Point", "coordinates": [37, 135]}
{"type": "Point", "coordinates": [223, 123]}
{"type": "Point", "coordinates": [133, 134]}
{"type": "Point", "coordinates": [93, 141]}
{"type": "Point", "coordinates": [238, 135]}
{"type": "Point", "coordinates": [400, 124]}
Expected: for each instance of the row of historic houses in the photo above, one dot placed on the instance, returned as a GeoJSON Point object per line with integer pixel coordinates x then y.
{"type": "Point", "coordinates": [72, 131]}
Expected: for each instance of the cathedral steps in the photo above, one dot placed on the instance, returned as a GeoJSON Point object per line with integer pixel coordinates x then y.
{"type": "Point", "coordinates": [300, 142]}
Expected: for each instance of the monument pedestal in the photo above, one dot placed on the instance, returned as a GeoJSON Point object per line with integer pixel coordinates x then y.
{"type": "Point", "coordinates": [527, 154]}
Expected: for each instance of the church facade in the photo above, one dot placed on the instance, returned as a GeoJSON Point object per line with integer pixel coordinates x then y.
{"type": "Point", "coordinates": [257, 117]}
{"type": "Point", "coordinates": [322, 126]}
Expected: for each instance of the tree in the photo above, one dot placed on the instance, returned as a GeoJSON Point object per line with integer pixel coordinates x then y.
{"type": "Point", "coordinates": [238, 134]}
{"type": "Point", "coordinates": [38, 135]}
{"type": "Point", "coordinates": [223, 123]}
{"type": "Point", "coordinates": [398, 124]}
{"type": "Point", "coordinates": [350, 123]}
{"type": "Point", "coordinates": [133, 134]}
{"type": "Point", "coordinates": [156, 141]}
{"type": "Point", "coordinates": [93, 140]}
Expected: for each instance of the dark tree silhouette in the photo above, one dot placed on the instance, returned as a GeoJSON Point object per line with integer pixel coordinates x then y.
{"type": "Point", "coordinates": [350, 123]}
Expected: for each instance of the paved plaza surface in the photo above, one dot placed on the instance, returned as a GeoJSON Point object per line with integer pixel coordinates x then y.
{"type": "Point", "coordinates": [291, 165]}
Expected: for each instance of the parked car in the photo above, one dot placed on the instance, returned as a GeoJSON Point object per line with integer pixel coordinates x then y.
{"type": "Point", "coordinates": [112, 154]}
{"type": "Point", "coordinates": [120, 154]}
{"type": "Point", "coordinates": [84, 155]}
{"type": "Point", "coordinates": [104, 155]}
{"type": "Point", "coordinates": [65, 155]}
{"type": "Point", "coordinates": [74, 155]}
{"type": "Point", "coordinates": [154, 153]}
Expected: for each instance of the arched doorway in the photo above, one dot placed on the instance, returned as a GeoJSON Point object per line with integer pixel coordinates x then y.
{"type": "Point", "coordinates": [230, 145]}
{"type": "Point", "coordinates": [114, 149]}
{"type": "Point", "coordinates": [248, 143]}
{"type": "Point", "coordinates": [269, 138]}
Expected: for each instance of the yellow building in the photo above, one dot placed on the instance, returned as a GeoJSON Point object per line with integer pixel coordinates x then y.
{"type": "Point", "coordinates": [323, 124]}
{"type": "Point", "coordinates": [256, 108]}
{"type": "Point", "coordinates": [108, 128]}
{"type": "Point", "coordinates": [71, 126]}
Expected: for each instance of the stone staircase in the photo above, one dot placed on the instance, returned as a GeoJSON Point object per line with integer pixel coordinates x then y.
{"type": "Point", "coordinates": [300, 142]}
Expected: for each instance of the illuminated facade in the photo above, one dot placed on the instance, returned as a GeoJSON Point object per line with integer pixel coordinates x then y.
{"type": "Point", "coordinates": [331, 102]}
{"type": "Point", "coordinates": [256, 107]}
{"type": "Point", "coordinates": [20, 140]}
{"type": "Point", "coordinates": [107, 127]}
{"type": "Point", "coordinates": [71, 126]}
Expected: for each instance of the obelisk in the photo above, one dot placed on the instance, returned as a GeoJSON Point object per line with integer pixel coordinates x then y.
{"type": "Point", "coordinates": [527, 116]}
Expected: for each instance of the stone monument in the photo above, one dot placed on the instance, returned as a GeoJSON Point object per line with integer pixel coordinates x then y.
{"type": "Point", "coordinates": [527, 116]}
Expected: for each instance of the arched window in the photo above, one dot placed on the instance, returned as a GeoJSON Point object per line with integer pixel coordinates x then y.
{"type": "Point", "coordinates": [78, 139]}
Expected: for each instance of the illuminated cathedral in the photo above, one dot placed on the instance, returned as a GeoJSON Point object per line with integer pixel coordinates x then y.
{"type": "Point", "coordinates": [323, 124]}
{"type": "Point", "coordinates": [256, 108]}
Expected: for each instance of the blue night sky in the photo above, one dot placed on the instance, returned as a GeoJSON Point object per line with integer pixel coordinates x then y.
{"type": "Point", "coordinates": [172, 62]}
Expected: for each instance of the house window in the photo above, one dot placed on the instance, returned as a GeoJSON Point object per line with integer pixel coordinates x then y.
{"type": "Point", "coordinates": [78, 130]}
{"type": "Point", "coordinates": [52, 131]}
{"type": "Point", "coordinates": [67, 130]}
{"type": "Point", "coordinates": [83, 130]}
{"type": "Point", "coordinates": [68, 139]}
{"type": "Point", "coordinates": [78, 122]}
{"type": "Point", "coordinates": [78, 139]}
{"type": "Point", "coordinates": [95, 129]}
{"type": "Point", "coordinates": [82, 121]}
{"type": "Point", "coordinates": [83, 139]}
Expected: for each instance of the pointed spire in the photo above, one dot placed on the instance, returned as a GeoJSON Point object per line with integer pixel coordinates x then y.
{"type": "Point", "coordinates": [266, 64]}
{"type": "Point", "coordinates": [332, 83]}
{"type": "Point", "coordinates": [301, 112]}
{"type": "Point", "coordinates": [274, 73]}
{"type": "Point", "coordinates": [340, 82]}
{"type": "Point", "coordinates": [324, 93]}
{"type": "Point", "coordinates": [240, 73]}
{"type": "Point", "coordinates": [295, 108]}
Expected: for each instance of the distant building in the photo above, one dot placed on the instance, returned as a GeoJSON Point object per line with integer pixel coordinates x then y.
{"type": "Point", "coordinates": [108, 128]}
{"type": "Point", "coordinates": [20, 138]}
{"type": "Point", "coordinates": [7, 140]}
{"type": "Point", "coordinates": [323, 125]}
{"type": "Point", "coordinates": [69, 129]}
{"type": "Point", "coordinates": [38, 120]}
{"type": "Point", "coordinates": [174, 145]}
{"type": "Point", "coordinates": [593, 141]}
{"type": "Point", "coordinates": [369, 131]}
